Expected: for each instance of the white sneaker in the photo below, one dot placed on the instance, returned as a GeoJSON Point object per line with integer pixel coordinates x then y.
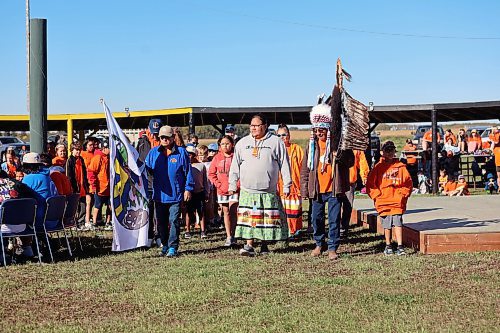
{"type": "Point", "coordinates": [88, 227]}
{"type": "Point", "coordinates": [108, 227]}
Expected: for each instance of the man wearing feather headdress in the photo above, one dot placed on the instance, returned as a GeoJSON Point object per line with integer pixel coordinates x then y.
{"type": "Point", "coordinates": [339, 125]}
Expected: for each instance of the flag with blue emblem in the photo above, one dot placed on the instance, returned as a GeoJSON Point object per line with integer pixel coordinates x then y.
{"type": "Point", "coordinates": [128, 190]}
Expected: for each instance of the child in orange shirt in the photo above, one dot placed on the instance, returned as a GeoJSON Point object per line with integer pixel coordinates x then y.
{"type": "Point", "coordinates": [443, 179]}
{"type": "Point", "coordinates": [450, 186]}
{"type": "Point", "coordinates": [462, 187]}
{"type": "Point", "coordinates": [389, 185]}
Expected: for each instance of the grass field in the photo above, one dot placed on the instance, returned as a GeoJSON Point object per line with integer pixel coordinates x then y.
{"type": "Point", "coordinates": [211, 289]}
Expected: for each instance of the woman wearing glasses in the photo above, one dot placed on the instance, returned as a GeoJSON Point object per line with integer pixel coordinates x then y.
{"type": "Point", "coordinates": [292, 201]}
{"type": "Point", "coordinates": [258, 160]}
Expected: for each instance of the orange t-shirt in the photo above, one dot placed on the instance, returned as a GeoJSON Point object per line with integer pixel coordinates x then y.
{"type": "Point", "coordinates": [324, 178]}
{"type": "Point", "coordinates": [465, 187]}
{"type": "Point", "coordinates": [496, 152]}
{"type": "Point", "coordinates": [411, 159]}
{"type": "Point", "coordinates": [428, 136]}
{"type": "Point", "coordinates": [452, 137]}
{"type": "Point", "coordinates": [450, 186]}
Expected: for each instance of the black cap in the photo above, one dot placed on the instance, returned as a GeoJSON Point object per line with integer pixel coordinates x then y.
{"type": "Point", "coordinates": [388, 145]}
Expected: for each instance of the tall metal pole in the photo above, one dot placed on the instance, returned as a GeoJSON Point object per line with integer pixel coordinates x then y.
{"type": "Point", "coordinates": [38, 85]}
{"type": "Point", "coordinates": [434, 152]}
{"type": "Point", "coordinates": [28, 55]}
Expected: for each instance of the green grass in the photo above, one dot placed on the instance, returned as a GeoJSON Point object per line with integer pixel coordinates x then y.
{"type": "Point", "coordinates": [212, 289]}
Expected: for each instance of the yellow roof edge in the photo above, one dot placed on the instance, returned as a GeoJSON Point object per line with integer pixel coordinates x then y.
{"type": "Point", "coordinates": [76, 116]}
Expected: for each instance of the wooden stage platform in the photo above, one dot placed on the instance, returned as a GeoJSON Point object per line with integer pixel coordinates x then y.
{"type": "Point", "coordinates": [442, 224]}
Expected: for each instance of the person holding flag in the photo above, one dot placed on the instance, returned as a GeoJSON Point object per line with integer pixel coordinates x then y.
{"type": "Point", "coordinates": [172, 183]}
{"type": "Point", "coordinates": [127, 189]}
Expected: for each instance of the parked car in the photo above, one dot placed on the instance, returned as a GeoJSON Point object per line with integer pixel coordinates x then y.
{"type": "Point", "coordinates": [419, 133]}
{"type": "Point", "coordinates": [20, 147]}
{"type": "Point", "coordinates": [485, 137]}
{"type": "Point", "coordinates": [479, 129]}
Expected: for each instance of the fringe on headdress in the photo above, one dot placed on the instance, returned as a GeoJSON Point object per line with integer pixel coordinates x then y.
{"type": "Point", "coordinates": [320, 117]}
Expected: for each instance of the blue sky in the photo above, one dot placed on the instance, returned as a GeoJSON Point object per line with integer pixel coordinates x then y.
{"type": "Point", "coordinates": [156, 54]}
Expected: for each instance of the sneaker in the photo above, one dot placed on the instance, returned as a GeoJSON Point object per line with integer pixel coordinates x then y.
{"type": "Point", "coordinates": [88, 227]}
{"type": "Point", "coordinates": [163, 251]}
{"type": "Point", "coordinates": [247, 251]}
{"type": "Point", "coordinates": [229, 242]}
{"type": "Point", "coordinates": [203, 235]}
{"type": "Point", "coordinates": [172, 252]}
{"type": "Point", "coordinates": [158, 242]}
{"type": "Point", "coordinates": [187, 235]}
{"type": "Point", "coordinates": [233, 241]}
{"type": "Point", "coordinates": [400, 251]}
{"type": "Point", "coordinates": [264, 249]}
{"type": "Point", "coordinates": [388, 251]}
{"type": "Point", "coordinates": [108, 227]}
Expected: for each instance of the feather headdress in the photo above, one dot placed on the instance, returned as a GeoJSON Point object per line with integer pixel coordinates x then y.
{"type": "Point", "coordinates": [320, 117]}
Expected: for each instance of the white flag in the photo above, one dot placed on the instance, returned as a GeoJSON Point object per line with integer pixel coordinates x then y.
{"type": "Point", "coordinates": [128, 197]}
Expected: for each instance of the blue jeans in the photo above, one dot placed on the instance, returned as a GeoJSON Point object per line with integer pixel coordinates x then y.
{"type": "Point", "coordinates": [167, 217]}
{"type": "Point", "coordinates": [318, 220]}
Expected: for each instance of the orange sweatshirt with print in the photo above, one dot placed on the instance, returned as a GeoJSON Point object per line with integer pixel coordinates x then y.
{"type": "Point", "coordinates": [389, 185]}
{"type": "Point", "coordinates": [99, 168]}
{"type": "Point", "coordinates": [295, 157]}
{"type": "Point", "coordinates": [360, 164]}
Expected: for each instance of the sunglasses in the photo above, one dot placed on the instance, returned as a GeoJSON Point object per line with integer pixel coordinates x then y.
{"type": "Point", "coordinates": [284, 135]}
{"type": "Point", "coordinates": [164, 137]}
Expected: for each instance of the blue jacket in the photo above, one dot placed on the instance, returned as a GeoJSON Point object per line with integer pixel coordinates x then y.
{"type": "Point", "coordinates": [44, 188]}
{"type": "Point", "coordinates": [171, 174]}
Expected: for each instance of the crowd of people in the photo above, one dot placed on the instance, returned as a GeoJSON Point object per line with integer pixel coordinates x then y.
{"type": "Point", "coordinates": [41, 176]}
{"type": "Point", "coordinates": [449, 161]}
{"type": "Point", "coordinates": [252, 187]}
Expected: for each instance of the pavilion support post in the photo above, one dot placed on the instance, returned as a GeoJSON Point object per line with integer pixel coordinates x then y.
{"type": "Point", "coordinates": [192, 125]}
{"type": "Point", "coordinates": [81, 136]}
{"type": "Point", "coordinates": [434, 159]}
{"type": "Point", "coordinates": [69, 129]}
{"type": "Point", "coordinates": [38, 85]}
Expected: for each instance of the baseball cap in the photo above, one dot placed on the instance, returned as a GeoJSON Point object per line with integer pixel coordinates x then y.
{"type": "Point", "coordinates": [191, 149]}
{"type": "Point", "coordinates": [461, 177]}
{"type": "Point", "coordinates": [166, 131]}
{"type": "Point", "coordinates": [32, 158]}
{"type": "Point", "coordinates": [230, 129]}
{"type": "Point", "coordinates": [474, 131]}
{"type": "Point", "coordinates": [213, 147]}
{"type": "Point", "coordinates": [388, 145]}
{"type": "Point", "coordinates": [154, 125]}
